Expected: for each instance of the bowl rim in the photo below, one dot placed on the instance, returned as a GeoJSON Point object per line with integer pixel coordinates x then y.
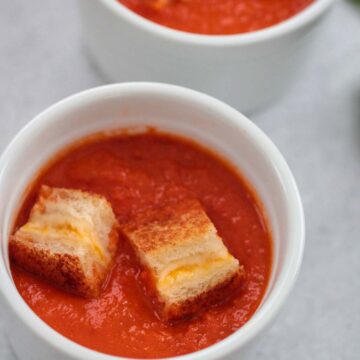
{"type": "Point", "coordinates": [287, 278]}
{"type": "Point", "coordinates": [307, 15]}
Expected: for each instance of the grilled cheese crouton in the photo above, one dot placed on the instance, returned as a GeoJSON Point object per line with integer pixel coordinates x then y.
{"type": "Point", "coordinates": [185, 257]}
{"type": "Point", "coordinates": [70, 239]}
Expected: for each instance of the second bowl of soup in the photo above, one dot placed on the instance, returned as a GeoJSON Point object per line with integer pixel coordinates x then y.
{"type": "Point", "coordinates": [243, 52]}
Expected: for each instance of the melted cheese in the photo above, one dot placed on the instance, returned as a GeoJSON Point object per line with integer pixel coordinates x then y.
{"type": "Point", "coordinates": [66, 230]}
{"type": "Point", "coordinates": [196, 269]}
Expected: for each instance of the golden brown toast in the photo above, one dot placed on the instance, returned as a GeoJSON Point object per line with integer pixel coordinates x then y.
{"type": "Point", "coordinates": [70, 239]}
{"type": "Point", "coordinates": [188, 262]}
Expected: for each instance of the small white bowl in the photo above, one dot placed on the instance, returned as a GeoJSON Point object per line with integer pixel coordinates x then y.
{"type": "Point", "coordinates": [247, 71]}
{"type": "Point", "coordinates": [175, 110]}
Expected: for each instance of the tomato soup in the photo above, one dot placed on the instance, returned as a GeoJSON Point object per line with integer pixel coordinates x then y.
{"type": "Point", "coordinates": [135, 173]}
{"type": "Point", "coordinates": [217, 17]}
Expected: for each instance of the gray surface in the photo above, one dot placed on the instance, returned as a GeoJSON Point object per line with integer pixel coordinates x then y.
{"type": "Point", "coordinates": [317, 127]}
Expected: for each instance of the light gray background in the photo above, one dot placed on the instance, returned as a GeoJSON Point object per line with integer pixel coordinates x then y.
{"type": "Point", "coordinates": [317, 128]}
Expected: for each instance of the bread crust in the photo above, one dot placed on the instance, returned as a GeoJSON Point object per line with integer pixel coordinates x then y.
{"type": "Point", "coordinates": [64, 269]}
{"type": "Point", "coordinates": [170, 236]}
{"type": "Point", "coordinates": [215, 296]}
{"type": "Point", "coordinates": [167, 226]}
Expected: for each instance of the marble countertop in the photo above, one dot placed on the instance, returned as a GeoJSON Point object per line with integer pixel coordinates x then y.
{"type": "Point", "coordinates": [317, 128]}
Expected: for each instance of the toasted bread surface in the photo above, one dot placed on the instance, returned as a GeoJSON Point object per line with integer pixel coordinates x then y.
{"type": "Point", "coordinates": [70, 239]}
{"type": "Point", "coordinates": [186, 258]}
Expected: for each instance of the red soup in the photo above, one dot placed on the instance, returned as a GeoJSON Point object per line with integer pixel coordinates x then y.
{"type": "Point", "coordinates": [217, 17]}
{"type": "Point", "coordinates": [134, 173]}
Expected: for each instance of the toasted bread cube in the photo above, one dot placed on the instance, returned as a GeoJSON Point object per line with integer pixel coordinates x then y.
{"type": "Point", "coordinates": [70, 240]}
{"type": "Point", "coordinates": [187, 260]}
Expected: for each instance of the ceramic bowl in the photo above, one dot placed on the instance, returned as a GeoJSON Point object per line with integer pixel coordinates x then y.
{"type": "Point", "coordinates": [174, 110]}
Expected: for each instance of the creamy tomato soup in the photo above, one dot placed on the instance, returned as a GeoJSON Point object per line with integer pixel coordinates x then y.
{"type": "Point", "coordinates": [217, 17]}
{"type": "Point", "coordinates": [134, 173]}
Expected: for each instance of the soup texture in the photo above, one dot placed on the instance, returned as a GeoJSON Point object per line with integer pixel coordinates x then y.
{"type": "Point", "coordinates": [217, 17]}
{"type": "Point", "coordinates": [136, 173]}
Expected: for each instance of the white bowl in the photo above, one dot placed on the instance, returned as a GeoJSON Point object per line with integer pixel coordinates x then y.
{"type": "Point", "coordinates": [247, 71]}
{"type": "Point", "coordinates": [175, 110]}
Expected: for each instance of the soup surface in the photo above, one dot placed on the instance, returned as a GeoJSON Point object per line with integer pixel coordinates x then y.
{"type": "Point", "coordinates": [217, 17]}
{"type": "Point", "coordinates": [134, 173]}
